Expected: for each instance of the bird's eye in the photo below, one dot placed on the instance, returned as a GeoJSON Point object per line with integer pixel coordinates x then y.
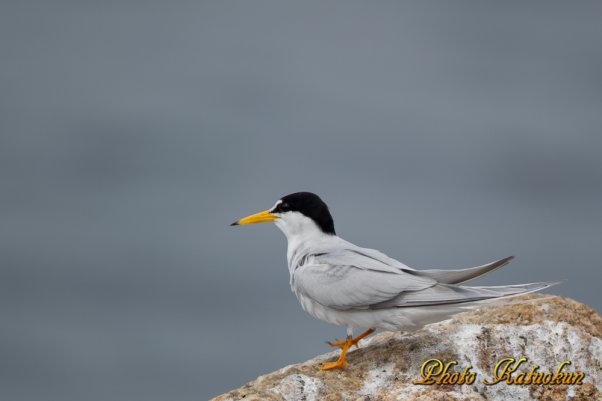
{"type": "Point", "coordinates": [284, 207]}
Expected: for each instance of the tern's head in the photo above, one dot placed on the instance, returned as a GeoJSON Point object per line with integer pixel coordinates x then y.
{"type": "Point", "coordinates": [296, 214]}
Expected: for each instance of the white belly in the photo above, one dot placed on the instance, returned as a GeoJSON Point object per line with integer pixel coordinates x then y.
{"type": "Point", "coordinates": [393, 319]}
{"type": "Point", "coordinates": [386, 319]}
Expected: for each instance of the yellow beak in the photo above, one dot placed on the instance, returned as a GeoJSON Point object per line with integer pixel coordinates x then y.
{"type": "Point", "coordinates": [261, 217]}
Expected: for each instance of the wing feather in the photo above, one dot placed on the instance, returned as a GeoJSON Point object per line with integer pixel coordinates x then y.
{"type": "Point", "coordinates": [458, 276]}
{"type": "Point", "coordinates": [450, 294]}
{"type": "Point", "coordinates": [346, 279]}
{"type": "Point", "coordinates": [360, 278]}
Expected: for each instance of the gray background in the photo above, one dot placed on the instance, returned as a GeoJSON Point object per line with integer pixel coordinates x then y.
{"type": "Point", "coordinates": [444, 134]}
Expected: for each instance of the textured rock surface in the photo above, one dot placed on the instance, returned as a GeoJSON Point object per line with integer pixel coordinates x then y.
{"type": "Point", "coordinates": [546, 330]}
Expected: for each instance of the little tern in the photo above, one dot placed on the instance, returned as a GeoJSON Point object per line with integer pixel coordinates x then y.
{"type": "Point", "coordinates": [342, 283]}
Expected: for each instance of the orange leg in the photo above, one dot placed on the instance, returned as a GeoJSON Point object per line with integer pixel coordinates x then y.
{"type": "Point", "coordinates": [354, 341]}
{"type": "Point", "coordinates": [344, 345]}
{"type": "Point", "coordinates": [341, 362]}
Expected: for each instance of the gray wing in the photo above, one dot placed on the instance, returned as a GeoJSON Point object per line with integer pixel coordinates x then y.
{"type": "Point", "coordinates": [346, 279]}
{"type": "Point", "coordinates": [357, 279]}
{"type": "Point", "coordinates": [458, 276]}
{"type": "Point", "coordinates": [451, 294]}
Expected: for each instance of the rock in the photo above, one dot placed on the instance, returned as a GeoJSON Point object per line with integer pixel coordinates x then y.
{"type": "Point", "coordinates": [546, 330]}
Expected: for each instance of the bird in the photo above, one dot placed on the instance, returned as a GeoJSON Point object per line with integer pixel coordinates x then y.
{"type": "Point", "coordinates": [347, 285]}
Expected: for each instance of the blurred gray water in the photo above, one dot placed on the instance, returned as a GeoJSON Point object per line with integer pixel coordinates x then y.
{"type": "Point", "coordinates": [445, 134]}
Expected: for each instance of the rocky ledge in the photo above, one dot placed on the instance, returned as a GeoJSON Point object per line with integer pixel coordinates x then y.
{"type": "Point", "coordinates": [545, 330]}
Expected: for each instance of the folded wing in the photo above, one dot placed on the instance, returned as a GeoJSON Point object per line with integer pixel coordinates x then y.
{"type": "Point", "coordinates": [458, 276]}
{"type": "Point", "coordinates": [361, 279]}
{"type": "Point", "coordinates": [451, 294]}
{"type": "Point", "coordinates": [348, 280]}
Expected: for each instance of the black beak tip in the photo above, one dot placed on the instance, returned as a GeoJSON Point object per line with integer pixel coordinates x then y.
{"type": "Point", "coordinates": [234, 224]}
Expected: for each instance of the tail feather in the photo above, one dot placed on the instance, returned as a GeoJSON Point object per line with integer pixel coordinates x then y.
{"type": "Point", "coordinates": [458, 276]}
{"type": "Point", "coordinates": [442, 294]}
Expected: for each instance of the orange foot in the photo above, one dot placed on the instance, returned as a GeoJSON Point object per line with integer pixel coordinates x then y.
{"type": "Point", "coordinates": [344, 345]}
{"type": "Point", "coordinates": [340, 364]}
{"type": "Point", "coordinates": [354, 341]}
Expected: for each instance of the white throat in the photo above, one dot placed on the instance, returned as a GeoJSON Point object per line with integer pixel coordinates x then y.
{"type": "Point", "coordinates": [301, 232]}
{"type": "Point", "coordinates": [296, 226]}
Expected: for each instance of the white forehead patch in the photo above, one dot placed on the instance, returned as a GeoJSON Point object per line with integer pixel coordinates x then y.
{"type": "Point", "coordinates": [276, 205]}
